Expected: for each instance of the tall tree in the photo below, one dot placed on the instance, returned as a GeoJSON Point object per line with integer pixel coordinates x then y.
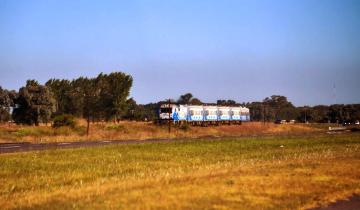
{"type": "Point", "coordinates": [61, 90]}
{"type": "Point", "coordinates": [5, 103]}
{"type": "Point", "coordinates": [188, 98]}
{"type": "Point", "coordinates": [195, 101]}
{"type": "Point", "coordinates": [119, 85]}
{"type": "Point", "coordinates": [185, 99]}
{"type": "Point", "coordinates": [34, 104]}
{"type": "Point", "coordinates": [278, 107]}
{"type": "Point", "coordinates": [256, 111]}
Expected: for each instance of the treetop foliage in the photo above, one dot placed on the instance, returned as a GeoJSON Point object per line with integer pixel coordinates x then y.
{"type": "Point", "coordinates": [101, 98]}
{"type": "Point", "coordinates": [189, 99]}
{"type": "Point", "coordinates": [64, 120]}
{"type": "Point", "coordinates": [34, 104]}
{"type": "Point", "coordinates": [6, 101]}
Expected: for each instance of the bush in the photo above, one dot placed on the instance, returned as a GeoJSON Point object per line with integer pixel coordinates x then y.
{"type": "Point", "coordinates": [184, 127]}
{"type": "Point", "coordinates": [64, 120]}
{"type": "Point", "coordinates": [115, 127]}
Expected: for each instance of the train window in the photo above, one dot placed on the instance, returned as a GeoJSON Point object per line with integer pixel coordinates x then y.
{"type": "Point", "coordinates": [224, 113]}
{"type": "Point", "coordinates": [165, 110]}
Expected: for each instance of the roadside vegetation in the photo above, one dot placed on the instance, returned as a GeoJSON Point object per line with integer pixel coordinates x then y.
{"type": "Point", "coordinates": [231, 173]}
{"type": "Point", "coordinates": [125, 130]}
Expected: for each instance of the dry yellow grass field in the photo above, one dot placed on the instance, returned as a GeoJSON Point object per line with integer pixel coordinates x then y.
{"type": "Point", "coordinates": [230, 173]}
{"type": "Point", "coordinates": [141, 130]}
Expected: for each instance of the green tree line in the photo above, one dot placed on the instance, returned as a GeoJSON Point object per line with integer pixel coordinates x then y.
{"type": "Point", "coordinates": [102, 98]}
{"type": "Point", "coordinates": [106, 98]}
{"type": "Point", "coordinates": [279, 108]}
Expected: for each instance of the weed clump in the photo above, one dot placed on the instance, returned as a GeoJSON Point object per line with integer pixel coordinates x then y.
{"type": "Point", "coordinates": [64, 120]}
{"type": "Point", "coordinates": [184, 127]}
{"type": "Point", "coordinates": [116, 127]}
{"type": "Point", "coordinates": [30, 132]}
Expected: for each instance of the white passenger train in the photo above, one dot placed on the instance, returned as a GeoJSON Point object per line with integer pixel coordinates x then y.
{"type": "Point", "coordinates": [204, 114]}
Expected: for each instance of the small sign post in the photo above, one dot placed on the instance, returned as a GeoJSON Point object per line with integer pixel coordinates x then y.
{"type": "Point", "coordinates": [169, 116]}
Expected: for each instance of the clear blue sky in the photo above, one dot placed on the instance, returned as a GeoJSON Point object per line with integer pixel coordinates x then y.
{"type": "Point", "coordinates": [241, 50]}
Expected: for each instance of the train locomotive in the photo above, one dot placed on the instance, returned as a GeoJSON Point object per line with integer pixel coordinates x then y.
{"type": "Point", "coordinates": [203, 114]}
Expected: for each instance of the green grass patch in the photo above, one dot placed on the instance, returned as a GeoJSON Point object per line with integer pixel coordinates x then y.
{"type": "Point", "coordinates": [35, 131]}
{"type": "Point", "coordinates": [116, 127]}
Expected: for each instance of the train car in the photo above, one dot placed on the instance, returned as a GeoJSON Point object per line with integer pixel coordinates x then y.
{"type": "Point", "coordinates": [210, 115]}
{"type": "Point", "coordinates": [195, 113]}
{"type": "Point", "coordinates": [203, 114]}
{"type": "Point", "coordinates": [224, 113]}
{"type": "Point", "coordinates": [235, 113]}
{"type": "Point", "coordinates": [182, 113]}
{"type": "Point", "coordinates": [168, 111]}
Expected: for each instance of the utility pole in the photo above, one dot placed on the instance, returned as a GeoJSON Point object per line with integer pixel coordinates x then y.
{"type": "Point", "coordinates": [88, 125]}
{"type": "Point", "coordinates": [169, 106]}
{"type": "Point", "coordinates": [87, 112]}
{"type": "Point", "coordinates": [263, 106]}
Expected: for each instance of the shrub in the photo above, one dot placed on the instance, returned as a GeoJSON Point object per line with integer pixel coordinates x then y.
{"type": "Point", "coordinates": [27, 132]}
{"type": "Point", "coordinates": [81, 130]}
{"type": "Point", "coordinates": [32, 131]}
{"type": "Point", "coordinates": [115, 127]}
{"type": "Point", "coordinates": [64, 120]}
{"type": "Point", "coordinates": [184, 127]}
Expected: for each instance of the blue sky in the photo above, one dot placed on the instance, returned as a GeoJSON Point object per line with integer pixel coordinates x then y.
{"type": "Point", "coordinates": [244, 50]}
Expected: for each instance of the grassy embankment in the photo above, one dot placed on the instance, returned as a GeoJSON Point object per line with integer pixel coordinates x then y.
{"type": "Point", "coordinates": [140, 130]}
{"type": "Point", "coordinates": [248, 173]}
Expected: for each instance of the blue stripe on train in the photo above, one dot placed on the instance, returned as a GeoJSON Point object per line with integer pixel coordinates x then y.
{"type": "Point", "coordinates": [235, 118]}
{"type": "Point", "coordinates": [224, 118]}
{"type": "Point", "coordinates": [211, 118]}
{"type": "Point", "coordinates": [176, 117]}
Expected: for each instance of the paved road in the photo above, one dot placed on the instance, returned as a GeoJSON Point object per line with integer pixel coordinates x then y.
{"type": "Point", "coordinates": [26, 146]}
{"type": "Point", "coordinates": [352, 204]}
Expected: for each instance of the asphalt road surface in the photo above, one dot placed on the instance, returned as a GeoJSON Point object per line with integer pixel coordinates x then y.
{"type": "Point", "coordinates": [27, 146]}
{"type": "Point", "coordinates": [352, 204]}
